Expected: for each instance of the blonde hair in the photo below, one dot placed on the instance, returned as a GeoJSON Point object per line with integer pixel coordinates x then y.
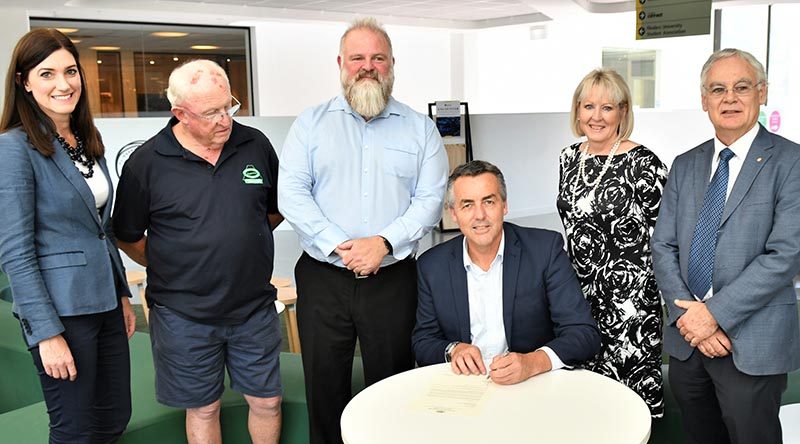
{"type": "Point", "coordinates": [370, 24]}
{"type": "Point", "coordinates": [615, 87]}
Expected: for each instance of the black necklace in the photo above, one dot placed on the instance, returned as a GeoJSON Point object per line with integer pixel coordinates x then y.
{"type": "Point", "coordinates": [78, 154]}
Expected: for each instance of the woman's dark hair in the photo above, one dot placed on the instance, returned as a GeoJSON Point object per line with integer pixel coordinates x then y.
{"type": "Point", "coordinates": [20, 108]}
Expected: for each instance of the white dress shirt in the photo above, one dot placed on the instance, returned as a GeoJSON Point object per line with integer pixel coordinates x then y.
{"type": "Point", "coordinates": [342, 178]}
{"type": "Point", "coordinates": [740, 148]}
{"type": "Point", "coordinates": [485, 295]}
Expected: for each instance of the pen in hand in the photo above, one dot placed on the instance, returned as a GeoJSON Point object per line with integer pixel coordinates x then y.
{"type": "Point", "coordinates": [489, 370]}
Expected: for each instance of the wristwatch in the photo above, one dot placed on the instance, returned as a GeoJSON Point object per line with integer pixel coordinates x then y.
{"type": "Point", "coordinates": [448, 351]}
{"type": "Point", "coordinates": [388, 246]}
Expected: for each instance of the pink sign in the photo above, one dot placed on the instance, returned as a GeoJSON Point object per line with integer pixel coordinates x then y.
{"type": "Point", "coordinates": [774, 121]}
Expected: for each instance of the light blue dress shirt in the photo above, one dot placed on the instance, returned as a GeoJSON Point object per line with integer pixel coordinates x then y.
{"type": "Point", "coordinates": [342, 178]}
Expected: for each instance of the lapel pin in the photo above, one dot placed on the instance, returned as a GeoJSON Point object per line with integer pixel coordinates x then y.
{"type": "Point", "coordinates": [758, 159]}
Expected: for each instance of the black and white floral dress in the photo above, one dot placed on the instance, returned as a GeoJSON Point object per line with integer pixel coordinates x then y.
{"type": "Point", "coordinates": [608, 241]}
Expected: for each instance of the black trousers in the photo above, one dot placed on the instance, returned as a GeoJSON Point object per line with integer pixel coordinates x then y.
{"type": "Point", "coordinates": [333, 309]}
{"type": "Point", "coordinates": [720, 404]}
{"type": "Point", "coordinates": [96, 407]}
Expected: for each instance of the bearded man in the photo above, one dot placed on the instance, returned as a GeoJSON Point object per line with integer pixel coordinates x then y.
{"type": "Point", "coordinates": [361, 180]}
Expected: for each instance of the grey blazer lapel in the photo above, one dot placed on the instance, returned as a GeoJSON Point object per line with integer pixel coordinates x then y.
{"type": "Point", "coordinates": [511, 263]}
{"type": "Point", "coordinates": [458, 285]}
{"type": "Point", "coordinates": [757, 157]}
{"type": "Point", "coordinates": [702, 172]}
{"type": "Point", "coordinates": [70, 171]}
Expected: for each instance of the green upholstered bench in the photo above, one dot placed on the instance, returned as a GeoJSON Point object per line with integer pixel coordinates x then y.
{"type": "Point", "coordinates": [5, 287]}
{"type": "Point", "coordinates": [19, 383]}
{"type": "Point", "coordinates": [23, 415]}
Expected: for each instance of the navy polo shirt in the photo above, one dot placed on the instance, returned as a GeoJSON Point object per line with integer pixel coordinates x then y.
{"type": "Point", "coordinates": [209, 244]}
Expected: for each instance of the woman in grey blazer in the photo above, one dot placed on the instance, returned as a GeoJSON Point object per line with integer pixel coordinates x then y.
{"type": "Point", "coordinates": [56, 245]}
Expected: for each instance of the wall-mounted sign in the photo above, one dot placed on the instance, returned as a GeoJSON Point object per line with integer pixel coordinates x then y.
{"type": "Point", "coordinates": [775, 121]}
{"type": "Point", "coordinates": [656, 19]}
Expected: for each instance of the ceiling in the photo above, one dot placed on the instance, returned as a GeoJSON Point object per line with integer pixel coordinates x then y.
{"type": "Point", "coordinates": [457, 14]}
{"type": "Point", "coordinates": [435, 13]}
{"type": "Point", "coordinates": [468, 10]}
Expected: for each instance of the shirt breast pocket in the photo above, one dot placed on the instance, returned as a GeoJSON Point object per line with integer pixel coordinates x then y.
{"type": "Point", "coordinates": [400, 161]}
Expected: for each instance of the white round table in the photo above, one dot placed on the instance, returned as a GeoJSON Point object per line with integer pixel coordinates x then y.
{"type": "Point", "coordinates": [790, 423]}
{"type": "Point", "coordinates": [556, 407]}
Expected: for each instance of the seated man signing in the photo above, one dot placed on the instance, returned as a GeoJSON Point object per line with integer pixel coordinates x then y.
{"type": "Point", "coordinates": [501, 298]}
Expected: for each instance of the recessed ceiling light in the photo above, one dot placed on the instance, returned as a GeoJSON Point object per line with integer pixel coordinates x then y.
{"type": "Point", "coordinates": [99, 62]}
{"type": "Point", "coordinates": [152, 62]}
{"type": "Point", "coordinates": [105, 48]}
{"type": "Point", "coordinates": [204, 47]}
{"type": "Point", "coordinates": [175, 59]}
{"type": "Point", "coordinates": [67, 30]}
{"type": "Point", "coordinates": [169, 34]}
{"type": "Point", "coordinates": [76, 41]}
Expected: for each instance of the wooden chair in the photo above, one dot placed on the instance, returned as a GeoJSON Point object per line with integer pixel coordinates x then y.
{"type": "Point", "coordinates": [288, 295]}
{"type": "Point", "coordinates": [139, 279]}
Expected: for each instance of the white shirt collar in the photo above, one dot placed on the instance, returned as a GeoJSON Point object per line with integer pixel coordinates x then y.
{"type": "Point", "coordinates": [471, 266]}
{"type": "Point", "coordinates": [740, 146]}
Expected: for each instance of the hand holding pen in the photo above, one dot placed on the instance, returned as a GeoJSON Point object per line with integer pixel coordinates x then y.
{"type": "Point", "coordinates": [511, 368]}
{"type": "Point", "coordinates": [492, 365]}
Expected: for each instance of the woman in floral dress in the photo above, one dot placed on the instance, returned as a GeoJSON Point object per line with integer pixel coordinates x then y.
{"type": "Point", "coordinates": [609, 192]}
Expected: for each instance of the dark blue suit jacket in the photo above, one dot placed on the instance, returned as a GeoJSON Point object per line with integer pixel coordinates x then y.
{"type": "Point", "coordinates": [542, 301]}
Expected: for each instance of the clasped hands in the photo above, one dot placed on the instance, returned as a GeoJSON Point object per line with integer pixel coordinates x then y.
{"type": "Point", "coordinates": [363, 255]}
{"type": "Point", "coordinates": [506, 369]}
{"type": "Point", "coordinates": [699, 328]}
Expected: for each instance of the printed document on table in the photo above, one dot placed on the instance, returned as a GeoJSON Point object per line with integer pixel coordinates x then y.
{"type": "Point", "coordinates": [449, 393]}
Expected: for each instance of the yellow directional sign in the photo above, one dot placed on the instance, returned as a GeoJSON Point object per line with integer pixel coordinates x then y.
{"type": "Point", "coordinates": [657, 19]}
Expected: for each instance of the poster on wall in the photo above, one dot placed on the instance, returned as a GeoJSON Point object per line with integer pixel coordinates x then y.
{"type": "Point", "coordinates": [452, 121]}
{"type": "Point", "coordinates": [448, 118]}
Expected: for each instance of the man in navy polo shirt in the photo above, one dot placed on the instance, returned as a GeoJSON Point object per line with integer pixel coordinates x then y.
{"type": "Point", "coordinates": [205, 191]}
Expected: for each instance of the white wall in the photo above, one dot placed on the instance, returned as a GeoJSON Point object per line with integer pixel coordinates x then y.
{"type": "Point", "coordinates": [784, 64]}
{"type": "Point", "coordinates": [745, 27]}
{"type": "Point", "coordinates": [507, 72]}
{"type": "Point", "coordinates": [296, 65]}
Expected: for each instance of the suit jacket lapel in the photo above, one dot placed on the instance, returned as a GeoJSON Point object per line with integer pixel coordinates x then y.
{"type": "Point", "coordinates": [757, 157]}
{"type": "Point", "coordinates": [511, 263]}
{"type": "Point", "coordinates": [68, 169]}
{"type": "Point", "coordinates": [702, 172]}
{"type": "Point", "coordinates": [458, 284]}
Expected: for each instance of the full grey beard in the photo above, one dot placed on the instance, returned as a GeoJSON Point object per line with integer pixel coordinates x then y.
{"type": "Point", "coordinates": [365, 97]}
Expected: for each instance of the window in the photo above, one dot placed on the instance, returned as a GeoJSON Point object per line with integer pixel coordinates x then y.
{"type": "Point", "coordinates": [638, 68]}
{"type": "Point", "coordinates": [127, 65]}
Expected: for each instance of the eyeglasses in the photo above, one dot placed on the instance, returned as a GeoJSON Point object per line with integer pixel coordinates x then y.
{"type": "Point", "coordinates": [740, 89]}
{"type": "Point", "coordinates": [219, 115]}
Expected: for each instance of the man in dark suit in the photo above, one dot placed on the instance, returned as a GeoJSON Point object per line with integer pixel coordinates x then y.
{"type": "Point", "coordinates": [725, 250]}
{"type": "Point", "coordinates": [501, 297]}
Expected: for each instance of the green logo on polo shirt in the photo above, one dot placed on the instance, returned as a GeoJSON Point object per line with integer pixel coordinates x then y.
{"type": "Point", "coordinates": [251, 175]}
